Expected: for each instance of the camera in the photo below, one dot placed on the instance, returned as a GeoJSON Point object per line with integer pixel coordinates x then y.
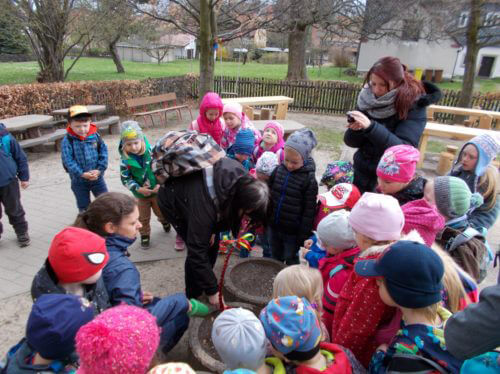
{"type": "Point", "coordinates": [350, 118]}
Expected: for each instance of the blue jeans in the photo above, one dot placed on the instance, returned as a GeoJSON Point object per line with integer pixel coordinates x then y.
{"type": "Point", "coordinates": [284, 247]}
{"type": "Point", "coordinates": [82, 189]}
{"type": "Point", "coordinates": [171, 316]}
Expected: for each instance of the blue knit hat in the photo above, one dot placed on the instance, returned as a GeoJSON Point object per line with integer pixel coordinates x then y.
{"type": "Point", "coordinates": [292, 327]}
{"type": "Point", "coordinates": [53, 323]}
{"type": "Point", "coordinates": [244, 143]}
{"type": "Point", "coordinates": [487, 148]}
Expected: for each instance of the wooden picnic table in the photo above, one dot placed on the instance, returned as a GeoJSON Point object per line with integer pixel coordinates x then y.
{"type": "Point", "coordinates": [289, 126]}
{"type": "Point", "coordinates": [281, 103]}
{"type": "Point", "coordinates": [93, 110]}
{"type": "Point", "coordinates": [485, 116]}
{"type": "Point", "coordinates": [30, 124]}
{"type": "Point", "coordinates": [451, 132]}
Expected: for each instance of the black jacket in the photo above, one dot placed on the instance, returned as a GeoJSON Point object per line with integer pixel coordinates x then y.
{"type": "Point", "coordinates": [293, 196]}
{"type": "Point", "coordinates": [414, 191]}
{"type": "Point", "coordinates": [186, 203]}
{"type": "Point", "coordinates": [385, 133]}
{"type": "Point", "coordinates": [45, 281]}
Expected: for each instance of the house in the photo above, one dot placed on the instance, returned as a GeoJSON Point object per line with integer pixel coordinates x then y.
{"type": "Point", "coordinates": [169, 47]}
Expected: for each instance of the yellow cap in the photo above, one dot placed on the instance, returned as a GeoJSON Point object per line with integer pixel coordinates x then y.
{"type": "Point", "coordinates": [76, 110]}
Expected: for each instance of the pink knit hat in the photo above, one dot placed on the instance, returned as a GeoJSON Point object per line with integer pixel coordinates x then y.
{"type": "Point", "coordinates": [276, 126]}
{"type": "Point", "coordinates": [122, 339]}
{"type": "Point", "coordinates": [423, 217]}
{"type": "Point", "coordinates": [398, 163]}
{"type": "Point", "coordinates": [233, 108]}
{"type": "Point", "coordinates": [377, 216]}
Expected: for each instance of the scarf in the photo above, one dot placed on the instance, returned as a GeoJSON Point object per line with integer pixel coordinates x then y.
{"type": "Point", "coordinates": [378, 108]}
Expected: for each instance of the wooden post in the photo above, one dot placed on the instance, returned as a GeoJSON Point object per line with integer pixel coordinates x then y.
{"type": "Point", "coordinates": [265, 113]}
{"type": "Point", "coordinates": [485, 122]}
{"type": "Point", "coordinates": [422, 147]}
{"type": "Point", "coordinates": [249, 112]}
{"type": "Point", "coordinates": [281, 110]}
{"type": "Point", "coordinates": [430, 114]}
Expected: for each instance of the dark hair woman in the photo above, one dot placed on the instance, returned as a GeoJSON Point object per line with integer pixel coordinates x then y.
{"type": "Point", "coordinates": [202, 204]}
{"type": "Point", "coordinates": [391, 111]}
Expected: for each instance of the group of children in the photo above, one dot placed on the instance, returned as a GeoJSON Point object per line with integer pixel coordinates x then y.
{"type": "Point", "coordinates": [380, 274]}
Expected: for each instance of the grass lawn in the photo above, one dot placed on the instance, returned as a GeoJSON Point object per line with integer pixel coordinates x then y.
{"type": "Point", "coordinates": [103, 69]}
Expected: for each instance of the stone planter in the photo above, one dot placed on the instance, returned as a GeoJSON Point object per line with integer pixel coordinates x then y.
{"type": "Point", "coordinates": [200, 341]}
{"type": "Point", "coordinates": [251, 280]}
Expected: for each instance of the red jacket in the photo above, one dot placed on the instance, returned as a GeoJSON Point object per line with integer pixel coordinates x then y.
{"type": "Point", "coordinates": [360, 312]}
{"type": "Point", "coordinates": [339, 365]}
{"type": "Point", "coordinates": [335, 271]}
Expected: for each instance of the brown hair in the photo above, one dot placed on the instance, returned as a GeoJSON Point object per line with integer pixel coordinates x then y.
{"type": "Point", "coordinates": [409, 89]}
{"type": "Point", "coordinates": [488, 185]}
{"type": "Point", "coordinates": [108, 207]}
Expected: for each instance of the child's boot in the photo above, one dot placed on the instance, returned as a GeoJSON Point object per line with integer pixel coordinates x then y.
{"type": "Point", "coordinates": [145, 241]}
{"type": "Point", "coordinates": [23, 239]}
{"type": "Point", "coordinates": [198, 309]}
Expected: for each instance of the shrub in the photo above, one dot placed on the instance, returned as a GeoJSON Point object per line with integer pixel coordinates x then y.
{"type": "Point", "coordinates": [341, 59]}
{"type": "Point", "coordinates": [274, 58]}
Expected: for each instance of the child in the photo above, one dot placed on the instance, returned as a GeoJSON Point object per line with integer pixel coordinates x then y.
{"type": "Point", "coordinates": [360, 315]}
{"type": "Point", "coordinates": [453, 199]}
{"type": "Point", "coordinates": [409, 276]}
{"type": "Point", "coordinates": [235, 120]}
{"type": "Point", "coordinates": [137, 176]}
{"type": "Point", "coordinates": [336, 267]}
{"type": "Point", "coordinates": [242, 148]}
{"type": "Point", "coordinates": [209, 121]}
{"type": "Point", "coordinates": [50, 336]}
{"type": "Point", "coordinates": [302, 281]}
{"type": "Point", "coordinates": [396, 174]}
{"type": "Point", "coordinates": [239, 339]}
{"type": "Point", "coordinates": [293, 191]}
{"type": "Point", "coordinates": [74, 266]}
{"type": "Point", "coordinates": [473, 165]}
{"type": "Point", "coordinates": [291, 325]}
{"type": "Point", "coordinates": [84, 156]}
{"type": "Point", "coordinates": [424, 217]}
{"type": "Point", "coordinates": [337, 172]}
{"type": "Point", "coordinates": [15, 171]}
{"type": "Point", "coordinates": [123, 339]}
{"type": "Point", "coordinates": [272, 141]}
{"type": "Point", "coordinates": [340, 196]}
{"type": "Point", "coordinates": [115, 217]}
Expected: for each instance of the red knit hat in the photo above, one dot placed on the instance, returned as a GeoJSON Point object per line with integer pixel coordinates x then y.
{"type": "Point", "coordinates": [77, 254]}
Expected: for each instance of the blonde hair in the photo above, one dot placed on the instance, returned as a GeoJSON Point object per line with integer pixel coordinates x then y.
{"type": "Point", "coordinates": [488, 185]}
{"type": "Point", "coordinates": [141, 151]}
{"type": "Point", "coordinates": [301, 281]}
{"type": "Point", "coordinates": [429, 312]}
{"type": "Point", "coordinates": [451, 280]}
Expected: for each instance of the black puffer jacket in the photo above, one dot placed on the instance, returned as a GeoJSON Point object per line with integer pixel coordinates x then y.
{"type": "Point", "coordinates": [186, 203]}
{"type": "Point", "coordinates": [45, 281]}
{"type": "Point", "coordinates": [294, 200]}
{"type": "Point", "coordinates": [385, 133]}
{"type": "Point", "coordinates": [414, 191]}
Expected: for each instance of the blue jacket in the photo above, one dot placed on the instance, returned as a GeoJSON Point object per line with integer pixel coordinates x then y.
{"type": "Point", "coordinates": [80, 156]}
{"type": "Point", "coordinates": [316, 253]}
{"type": "Point", "coordinates": [14, 164]}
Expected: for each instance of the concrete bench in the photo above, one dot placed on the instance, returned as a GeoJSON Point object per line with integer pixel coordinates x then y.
{"type": "Point", "coordinates": [37, 144]}
{"type": "Point", "coordinates": [112, 124]}
{"type": "Point", "coordinates": [149, 106]}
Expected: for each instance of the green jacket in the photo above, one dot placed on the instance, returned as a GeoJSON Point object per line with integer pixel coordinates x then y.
{"type": "Point", "coordinates": [134, 175]}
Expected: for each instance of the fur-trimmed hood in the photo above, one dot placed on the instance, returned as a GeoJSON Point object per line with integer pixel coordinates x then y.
{"type": "Point", "coordinates": [376, 250]}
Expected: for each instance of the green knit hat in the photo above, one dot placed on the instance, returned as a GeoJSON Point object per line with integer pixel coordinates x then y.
{"type": "Point", "coordinates": [453, 197]}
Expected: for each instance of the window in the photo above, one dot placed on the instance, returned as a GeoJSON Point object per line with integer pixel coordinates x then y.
{"type": "Point", "coordinates": [491, 19]}
{"type": "Point", "coordinates": [411, 30]}
{"type": "Point", "coordinates": [462, 21]}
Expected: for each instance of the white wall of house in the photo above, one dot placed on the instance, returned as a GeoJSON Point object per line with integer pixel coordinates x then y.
{"type": "Point", "coordinates": [488, 52]}
{"type": "Point", "coordinates": [422, 54]}
{"type": "Point", "coordinates": [136, 54]}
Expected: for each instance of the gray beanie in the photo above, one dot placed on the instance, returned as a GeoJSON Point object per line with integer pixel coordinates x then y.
{"type": "Point", "coordinates": [334, 230]}
{"type": "Point", "coordinates": [453, 197]}
{"type": "Point", "coordinates": [303, 141]}
{"type": "Point", "coordinates": [240, 339]}
{"type": "Point", "coordinates": [131, 130]}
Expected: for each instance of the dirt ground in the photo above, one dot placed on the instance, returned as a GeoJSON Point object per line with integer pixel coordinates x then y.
{"type": "Point", "coordinates": [45, 169]}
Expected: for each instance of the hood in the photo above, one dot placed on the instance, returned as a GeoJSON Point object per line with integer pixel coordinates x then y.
{"type": "Point", "coordinates": [487, 149]}
{"type": "Point", "coordinates": [3, 130]}
{"type": "Point", "coordinates": [211, 101]}
{"type": "Point", "coordinates": [214, 128]}
{"type": "Point", "coordinates": [308, 166]}
{"type": "Point", "coordinates": [375, 250]}
{"type": "Point", "coordinates": [118, 243]}
{"type": "Point", "coordinates": [92, 131]}
{"type": "Point", "coordinates": [226, 173]}
{"type": "Point", "coordinates": [45, 281]}
{"type": "Point", "coordinates": [432, 95]}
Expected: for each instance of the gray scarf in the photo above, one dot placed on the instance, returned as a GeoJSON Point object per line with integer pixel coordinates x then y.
{"type": "Point", "coordinates": [378, 108]}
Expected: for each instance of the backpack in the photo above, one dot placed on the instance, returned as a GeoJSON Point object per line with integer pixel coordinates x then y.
{"type": "Point", "coordinates": [468, 249]}
{"type": "Point", "coordinates": [71, 140]}
{"type": "Point", "coordinates": [5, 145]}
{"type": "Point", "coordinates": [180, 153]}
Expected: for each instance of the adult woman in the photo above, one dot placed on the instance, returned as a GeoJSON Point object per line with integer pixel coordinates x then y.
{"type": "Point", "coordinates": [202, 204]}
{"type": "Point", "coordinates": [391, 111]}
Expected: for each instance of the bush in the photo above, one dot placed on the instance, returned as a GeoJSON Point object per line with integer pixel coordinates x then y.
{"type": "Point", "coordinates": [341, 60]}
{"type": "Point", "coordinates": [255, 54]}
{"type": "Point", "coordinates": [274, 58]}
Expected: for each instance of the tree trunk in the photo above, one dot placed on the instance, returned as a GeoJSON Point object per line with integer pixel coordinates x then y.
{"type": "Point", "coordinates": [297, 54]}
{"type": "Point", "coordinates": [206, 41]}
{"type": "Point", "coordinates": [114, 54]}
{"type": "Point", "coordinates": [471, 54]}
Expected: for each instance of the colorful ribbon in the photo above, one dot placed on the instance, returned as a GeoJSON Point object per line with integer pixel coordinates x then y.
{"type": "Point", "coordinates": [239, 244]}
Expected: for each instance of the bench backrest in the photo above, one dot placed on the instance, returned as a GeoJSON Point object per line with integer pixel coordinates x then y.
{"type": "Point", "coordinates": [149, 100]}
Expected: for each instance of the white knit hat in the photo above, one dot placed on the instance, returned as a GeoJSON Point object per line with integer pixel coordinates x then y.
{"type": "Point", "coordinates": [334, 230]}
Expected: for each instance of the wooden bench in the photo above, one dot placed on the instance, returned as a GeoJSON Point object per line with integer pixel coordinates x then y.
{"type": "Point", "coordinates": [450, 132]}
{"type": "Point", "coordinates": [279, 102]}
{"type": "Point", "coordinates": [38, 143]}
{"type": "Point", "coordinates": [111, 123]}
{"type": "Point", "coordinates": [483, 117]}
{"type": "Point", "coordinates": [149, 106]}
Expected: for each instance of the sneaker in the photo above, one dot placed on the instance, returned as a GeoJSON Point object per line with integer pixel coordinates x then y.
{"type": "Point", "coordinates": [23, 240]}
{"type": "Point", "coordinates": [179, 243]}
{"type": "Point", "coordinates": [145, 241]}
{"type": "Point", "coordinates": [166, 227]}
